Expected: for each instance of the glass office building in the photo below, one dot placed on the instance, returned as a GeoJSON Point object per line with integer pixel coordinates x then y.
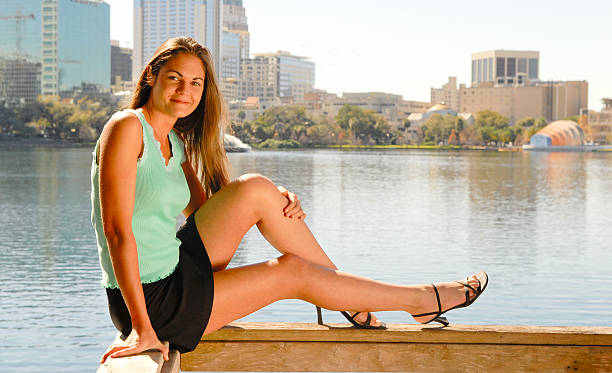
{"type": "Point", "coordinates": [231, 56]}
{"type": "Point", "coordinates": [70, 39]}
{"type": "Point", "coordinates": [156, 21]}
{"type": "Point", "coordinates": [20, 31]}
{"type": "Point", "coordinates": [20, 43]}
{"type": "Point", "coordinates": [278, 74]}
{"type": "Point", "coordinates": [296, 76]}
{"type": "Point", "coordinates": [83, 44]}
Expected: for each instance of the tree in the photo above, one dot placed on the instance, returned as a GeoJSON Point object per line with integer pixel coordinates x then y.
{"type": "Point", "coordinates": [487, 133]}
{"type": "Point", "coordinates": [525, 128]}
{"type": "Point", "coordinates": [50, 117]}
{"type": "Point", "coordinates": [364, 125]}
{"type": "Point", "coordinates": [11, 123]}
{"type": "Point", "coordinates": [279, 122]}
{"type": "Point", "coordinates": [242, 130]}
{"type": "Point", "coordinates": [438, 128]}
{"type": "Point", "coordinates": [530, 122]}
{"type": "Point", "coordinates": [488, 118]}
{"type": "Point", "coordinates": [453, 139]}
{"type": "Point", "coordinates": [493, 127]}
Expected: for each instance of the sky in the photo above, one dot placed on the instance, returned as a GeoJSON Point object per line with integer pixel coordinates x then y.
{"type": "Point", "coordinates": [407, 47]}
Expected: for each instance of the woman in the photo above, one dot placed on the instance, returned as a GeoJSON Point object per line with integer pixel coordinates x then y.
{"type": "Point", "coordinates": [164, 156]}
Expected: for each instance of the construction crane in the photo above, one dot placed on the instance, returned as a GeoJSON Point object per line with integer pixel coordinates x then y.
{"type": "Point", "coordinates": [18, 18]}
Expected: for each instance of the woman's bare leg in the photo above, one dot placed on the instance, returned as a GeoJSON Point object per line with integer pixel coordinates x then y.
{"type": "Point", "coordinates": [244, 290]}
{"type": "Point", "coordinates": [253, 199]}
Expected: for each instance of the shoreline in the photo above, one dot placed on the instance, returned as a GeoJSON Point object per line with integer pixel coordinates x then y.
{"type": "Point", "coordinates": [402, 147]}
{"type": "Point", "coordinates": [11, 141]}
{"type": "Point", "coordinates": [32, 142]}
{"type": "Point", "coordinates": [425, 147]}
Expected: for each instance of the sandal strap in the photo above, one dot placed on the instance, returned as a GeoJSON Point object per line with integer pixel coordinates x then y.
{"type": "Point", "coordinates": [439, 305]}
{"type": "Point", "coordinates": [367, 322]}
{"type": "Point", "coordinates": [437, 298]}
{"type": "Point", "coordinates": [467, 291]}
{"type": "Point", "coordinates": [368, 319]}
{"type": "Point", "coordinates": [478, 288]}
{"type": "Point", "coordinates": [354, 315]}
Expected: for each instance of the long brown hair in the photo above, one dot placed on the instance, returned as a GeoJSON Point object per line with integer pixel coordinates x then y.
{"type": "Point", "coordinates": [202, 130]}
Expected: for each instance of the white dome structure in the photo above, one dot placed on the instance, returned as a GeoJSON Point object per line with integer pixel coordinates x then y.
{"type": "Point", "coordinates": [558, 133]}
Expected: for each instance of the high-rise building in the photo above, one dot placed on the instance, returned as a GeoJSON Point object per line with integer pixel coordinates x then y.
{"type": "Point", "coordinates": [235, 21]}
{"type": "Point", "coordinates": [508, 82]}
{"type": "Point", "coordinates": [550, 100]}
{"type": "Point", "coordinates": [230, 67]}
{"type": "Point", "coordinates": [278, 74]}
{"type": "Point", "coordinates": [19, 80]}
{"type": "Point", "coordinates": [448, 94]}
{"type": "Point", "coordinates": [156, 21]}
{"type": "Point", "coordinates": [121, 63]}
{"type": "Point", "coordinates": [259, 78]}
{"type": "Point", "coordinates": [504, 67]}
{"type": "Point", "coordinates": [68, 38]}
{"type": "Point", "coordinates": [235, 47]}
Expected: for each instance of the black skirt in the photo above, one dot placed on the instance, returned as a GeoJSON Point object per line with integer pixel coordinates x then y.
{"type": "Point", "coordinates": [179, 305]}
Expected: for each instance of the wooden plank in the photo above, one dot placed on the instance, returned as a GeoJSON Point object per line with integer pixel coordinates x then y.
{"type": "Point", "coordinates": [173, 365]}
{"type": "Point", "coordinates": [538, 335]}
{"type": "Point", "coordinates": [459, 348]}
{"type": "Point", "coordinates": [394, 357]}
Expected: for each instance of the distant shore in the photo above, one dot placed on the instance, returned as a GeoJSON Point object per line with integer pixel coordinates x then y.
{"type": "Point", "coordinates": [32, 142]}
{"type": "Point", "coordinates": [425, 147]}
{"type": "Point", "coordinates": [417, 147]}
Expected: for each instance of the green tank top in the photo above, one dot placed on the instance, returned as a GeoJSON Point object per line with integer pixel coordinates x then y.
{"type": "Point", "coordinates": [161, 195]}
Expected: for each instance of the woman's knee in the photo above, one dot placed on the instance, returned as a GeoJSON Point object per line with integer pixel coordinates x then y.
{"type": "Point", "coordinates": [257, 188]}
{"type": "Point", "coordinates": [254, 181]}
{"type": "Point", "coordinates": [297, 270]}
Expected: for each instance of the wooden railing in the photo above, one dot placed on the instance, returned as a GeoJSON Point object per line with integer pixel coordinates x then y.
{"type": "Point", "coordinates": [401, 348]}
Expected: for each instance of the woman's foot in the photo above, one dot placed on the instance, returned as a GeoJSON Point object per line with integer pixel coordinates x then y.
{"type": "Point", "coordinates": [362, 319]}
{"type": "Point", "coordinates": [449, 295]}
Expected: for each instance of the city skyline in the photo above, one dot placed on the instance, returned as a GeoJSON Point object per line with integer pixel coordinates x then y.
{"type": "Point", "coordinates": [396, 47]}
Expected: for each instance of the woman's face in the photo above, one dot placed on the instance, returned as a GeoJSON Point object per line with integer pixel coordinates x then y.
{"type": "Point", "coordinates": [178, 87]}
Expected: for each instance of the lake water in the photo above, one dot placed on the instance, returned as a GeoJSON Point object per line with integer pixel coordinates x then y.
{"type": "Point", "coordinates": [538, 223]}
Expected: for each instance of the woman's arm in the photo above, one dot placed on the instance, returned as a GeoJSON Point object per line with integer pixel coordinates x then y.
{"type": "Point", "coordinates": [120, 146]}
{"type": "Point", "coordinates": [196, 190]}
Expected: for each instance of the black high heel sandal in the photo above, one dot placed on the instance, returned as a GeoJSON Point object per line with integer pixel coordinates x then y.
{"type": "Point", "coordinates": [352, 320]}
{"type": "Point", "coordinates": [483, 280]}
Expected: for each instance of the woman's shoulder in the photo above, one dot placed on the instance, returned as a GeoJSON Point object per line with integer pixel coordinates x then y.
{"type": "Point", "coordinates": [123, 121]}
{"type": "Point", "coordinates": [123, 128]}
{"type": "Point", "coordinates": [126, 117]}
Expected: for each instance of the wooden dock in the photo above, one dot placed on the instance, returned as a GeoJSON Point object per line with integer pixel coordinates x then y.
{"type": "Point", "coordinates": [303, 347]}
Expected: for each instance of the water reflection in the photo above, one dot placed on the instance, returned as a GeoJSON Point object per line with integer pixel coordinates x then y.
{"type": "Point", "coordinates": [537, 222]}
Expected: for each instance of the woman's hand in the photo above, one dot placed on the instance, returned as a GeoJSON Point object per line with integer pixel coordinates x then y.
{"type": "Point", "coordinates": [136, 343]}
{"type": "Point", "coordinates": [294, 207]}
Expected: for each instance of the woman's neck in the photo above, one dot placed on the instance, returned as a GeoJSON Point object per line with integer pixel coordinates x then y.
{"type": "Point", "coordinates": [162, 124]}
